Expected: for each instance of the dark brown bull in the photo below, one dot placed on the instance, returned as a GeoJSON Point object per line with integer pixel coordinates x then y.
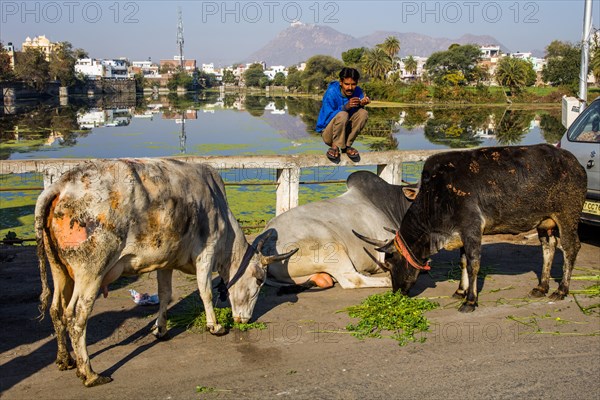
{"type": "Point", "coordinates": [486, 191]}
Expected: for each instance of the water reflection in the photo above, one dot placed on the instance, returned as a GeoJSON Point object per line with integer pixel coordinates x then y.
{"type": "Point", "coordinates": [236, 123]}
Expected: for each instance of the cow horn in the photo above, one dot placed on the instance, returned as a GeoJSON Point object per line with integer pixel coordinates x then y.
{"type": "Point", "coordinates": [266, 260]}
{"type": "Point", "coordinates": [374, 242]}
{"type": "Point", "coordinates": [383, 266]}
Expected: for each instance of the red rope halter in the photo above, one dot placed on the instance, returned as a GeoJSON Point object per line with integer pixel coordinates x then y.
{"type": "Point", "coordinates": [408, 255]}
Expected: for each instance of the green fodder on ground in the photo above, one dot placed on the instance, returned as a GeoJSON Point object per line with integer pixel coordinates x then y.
{"type": "Point", "coordinates": [192, 317]}
{"type": "Point", "coordinates": [400, 315]}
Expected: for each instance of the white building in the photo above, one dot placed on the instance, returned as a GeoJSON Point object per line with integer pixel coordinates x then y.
{"type": "Point", "coordinates": [274, 69]}
{"type": "Point", "coordinates": [147, 68]}
{"type": "Point", "coordinates": [115, 68]}
{"type": "Point", "coordinates": [538, 63]}
{"type": "Point", "coordinates": [490, 52]}
{"type": "Point", "coordinates": [97, 69]}
{"type": "Point", "coordinates": [90, 68]}
{"type": "Point", "coordinates": [264, 64]}
{"type": "Point", "coordinates": [208, 68]}
{"type": "Point", "coordinates": [405, 75]}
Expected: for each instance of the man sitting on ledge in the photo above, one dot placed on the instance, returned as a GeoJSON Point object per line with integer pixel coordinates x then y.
{"type": "Point", "coordinates": [342, 115]}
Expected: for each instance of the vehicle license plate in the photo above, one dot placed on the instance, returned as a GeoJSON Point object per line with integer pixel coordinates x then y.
{"type": "Point", "coordinates": [591, 207]}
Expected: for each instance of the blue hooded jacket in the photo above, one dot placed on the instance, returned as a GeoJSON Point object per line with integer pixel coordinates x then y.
{"type": "Point", "coordinates": [333, 102]}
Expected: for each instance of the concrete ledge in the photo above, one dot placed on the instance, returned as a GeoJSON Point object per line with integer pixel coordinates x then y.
{"type": "Point", "coordinates": [287, 167]}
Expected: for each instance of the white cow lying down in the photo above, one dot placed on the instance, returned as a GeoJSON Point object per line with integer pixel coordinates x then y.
{"type": "Point", "coordinates": [323, 232]}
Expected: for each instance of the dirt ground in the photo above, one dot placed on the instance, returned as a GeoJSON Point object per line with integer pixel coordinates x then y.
{"type": "Point", "coordinates": [511, 347]}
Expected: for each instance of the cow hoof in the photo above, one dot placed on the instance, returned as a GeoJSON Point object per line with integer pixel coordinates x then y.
{"type": "Point", "coordinates": [65, 363]}
{"type": "Point", "coordinates": [97, 381]}
{"type": "Point", "coordinates": [217, 330]}
{"type": "Point", "coordinates": [557, 296]}
{"type": "Point", "coordinates": [459, 295]}
{"type": "Point", "coordinates": [465, 308]}
{"type": "Point", "coordinates": [537, 292]}
{"type": "Point", "coordinates": [160, 332]}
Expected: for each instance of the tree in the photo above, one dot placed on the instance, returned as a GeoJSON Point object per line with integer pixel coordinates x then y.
{"type": "Point", "coordinates": [62, 64]}
{"type": "Point", "coordinates": [352, 57]}
{"type": "Point", "coordinates": [294, 78]}
{"type": "Point", "coordinates": [278, 79]}
{"type": "Point", "coordinates": [410, 65]}
{"type": "Point", "coordinates": [455, 78]}
{"type": "Point", "coordinates": [167, 68]}
{"type": "Point", "coordinates": [391, 46]}
{"type": "Point", "coordinates": [80, 53]}
{"type": "Point", "coordinates": [228, 77]}
{"type": "Point", "coordinates": [376, 62]}
{"type": "Point", "coordinates": [179, 79]}
{"type": "Point", "coordinates": [140, 81]}
{"type": "Point", "coordinates": [32, 68]}
{"type": "Point", "coordinates": [205, 79]}
{"type": "Point", "coordinates": [563, 64]}
{"type": "Point", "coordinates": [253, 75]}
{"type": "Point", "coordinates": [457, 58]}
{"type": "Point", "coordinates": [5, 67]}
{"type": "Point", "coordinates": [514, 73]}
{"type": "Point", "coordinates": [558, 48]}
{"type": "Point", "coordinates": [264, 81]}
{"type": "Point", "coordinates": [320, 71]}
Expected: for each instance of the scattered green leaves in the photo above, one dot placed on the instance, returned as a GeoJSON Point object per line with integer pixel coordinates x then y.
{"type": "Point", "coordinates": [193, 318]}
{"type": "Point", "coordinates": [590, 291]}
{"type": "Point", "coordinates": [535, 322]}
{"type": "Point", "coordinates": [393, 312]}
{"type": "Point", "coordinates": [204, 389]}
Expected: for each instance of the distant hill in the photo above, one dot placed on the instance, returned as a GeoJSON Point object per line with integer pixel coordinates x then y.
{"type": "Point", "coordinates": [301, 41]}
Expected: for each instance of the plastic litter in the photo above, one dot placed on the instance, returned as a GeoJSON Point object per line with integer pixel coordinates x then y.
{"type": "Point", "coordinates": [143, 299]}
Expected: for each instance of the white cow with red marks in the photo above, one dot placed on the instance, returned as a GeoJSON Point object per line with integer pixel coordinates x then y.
{"type": "Point", "coordinates": [108, 218]}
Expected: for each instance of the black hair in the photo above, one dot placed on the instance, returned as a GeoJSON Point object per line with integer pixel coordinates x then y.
{"type": "Point", "coordinates": [349, 73]}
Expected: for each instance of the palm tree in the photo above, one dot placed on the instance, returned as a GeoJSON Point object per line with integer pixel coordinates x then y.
{"type": "Point", "coordinates": [376, 62]}
{"type": "Point", "coordinates": [511, 72]}
{"type": "Point", "coordinates": [410, 65]}
{"type": "Point", "coordinates": [391, 46]}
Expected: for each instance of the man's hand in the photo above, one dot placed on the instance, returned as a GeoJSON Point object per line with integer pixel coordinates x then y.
{"type": "Point", "coordinates": [364, 101]}
{"type": "Point", "coordinates": [353, 102]}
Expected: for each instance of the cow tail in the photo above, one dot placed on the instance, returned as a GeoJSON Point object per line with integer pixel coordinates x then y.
{"type": "Point", "coordinates": [42, 208]}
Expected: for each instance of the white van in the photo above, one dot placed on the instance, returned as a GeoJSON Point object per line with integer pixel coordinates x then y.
{"type": "Point", "coordinates": [583, 140]}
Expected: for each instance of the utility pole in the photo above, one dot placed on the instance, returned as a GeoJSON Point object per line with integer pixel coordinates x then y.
{"type": "Point", "coordinates": [585, 54]}
{"type": "Point", "coordinates": [180, 38]}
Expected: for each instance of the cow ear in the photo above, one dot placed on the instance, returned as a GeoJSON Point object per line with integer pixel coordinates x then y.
{"type": "Point", "coordinates": [410, 193]}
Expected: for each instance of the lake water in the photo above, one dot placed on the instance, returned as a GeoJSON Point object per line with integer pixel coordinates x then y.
{"type": "Point", "coordinates": [108, 127]}
{"type": "Point", "coordinates": [237, 124]}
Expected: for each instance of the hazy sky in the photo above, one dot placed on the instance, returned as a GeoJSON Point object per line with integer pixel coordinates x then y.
{"type": "Point", "coordinates": [224, 32]}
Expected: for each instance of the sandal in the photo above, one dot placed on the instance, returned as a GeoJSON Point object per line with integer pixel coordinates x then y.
{"type": "Point", "coordinates": [352, 153]}
{"type": "Point", "coordinates": [333, 154]}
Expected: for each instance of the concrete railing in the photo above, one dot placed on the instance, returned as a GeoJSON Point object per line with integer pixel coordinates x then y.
{"type": "Point", "coordinates": [287, 168]}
